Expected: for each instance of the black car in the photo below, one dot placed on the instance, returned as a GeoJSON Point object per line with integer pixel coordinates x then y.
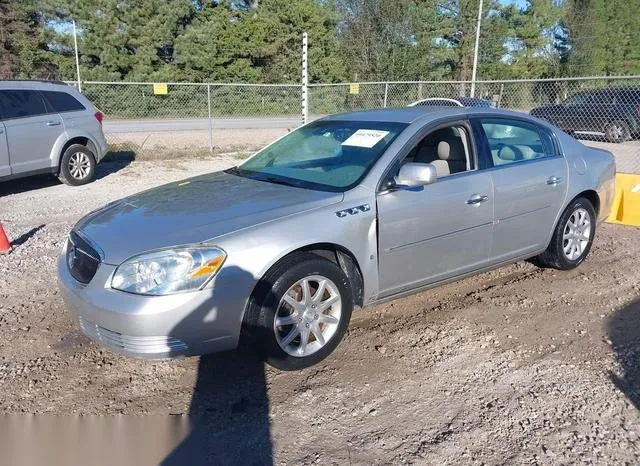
{"type": "Point", "coordinates": [613, 113]}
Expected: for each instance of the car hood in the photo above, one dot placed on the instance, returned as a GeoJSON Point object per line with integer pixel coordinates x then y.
{"type": "Point", "coordinates": [192, 211]}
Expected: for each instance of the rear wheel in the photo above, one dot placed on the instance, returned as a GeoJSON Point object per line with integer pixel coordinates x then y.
{"type": "Point", "coordinates": [572, 238]}
{"type": "Point", "coordinates": [299, 312]}
{"type": "Point", "coordinates": [78, 165]}
{"type": "Point", "coordinates": [617, 131]}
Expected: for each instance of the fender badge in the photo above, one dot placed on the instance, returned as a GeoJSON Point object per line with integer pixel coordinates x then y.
{"type": "Point", "coordinates": [353, 210]}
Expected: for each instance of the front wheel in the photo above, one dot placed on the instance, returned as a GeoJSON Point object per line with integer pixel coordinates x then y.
{"type": "Point", "coordinates": [299, 311]}
{"type": "Point", "coordinates": [572, 238]}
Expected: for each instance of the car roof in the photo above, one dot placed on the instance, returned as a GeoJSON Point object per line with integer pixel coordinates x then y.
{"type": "Point", "coordinates": [33, 84]}
{"type": "Point", "coordinates": [411, 114]}
{"type": "Point", "coordinates": [473, 100]}
{"type": "Point", "coordinates": [607, 90]}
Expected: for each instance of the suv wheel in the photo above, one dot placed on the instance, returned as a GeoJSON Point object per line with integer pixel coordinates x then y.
{"type": "Point", "coordinates": [617, 131]}
{"type": "Point", "coordinates": [78, 165]}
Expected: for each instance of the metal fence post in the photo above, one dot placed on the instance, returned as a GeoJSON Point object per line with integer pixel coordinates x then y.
{"type": "Point", "coordinates": [210, 121]}
{"type": "Point", "coordinates": [305, 80]}
{"type": "Point", "coordinates": [75, 48]}
{"type": "Point", "coordinates": [386, 92]}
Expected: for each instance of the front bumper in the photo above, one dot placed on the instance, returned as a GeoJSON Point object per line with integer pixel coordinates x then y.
{"type": "Point", "coordinates": [153, 327]}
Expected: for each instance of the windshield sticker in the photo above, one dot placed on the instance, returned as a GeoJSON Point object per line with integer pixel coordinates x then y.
{"type": "Point", "coordinates": [365, 138]}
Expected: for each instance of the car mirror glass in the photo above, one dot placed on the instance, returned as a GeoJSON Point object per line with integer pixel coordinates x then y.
{"type": "Point", "coordinates": [413, 175]}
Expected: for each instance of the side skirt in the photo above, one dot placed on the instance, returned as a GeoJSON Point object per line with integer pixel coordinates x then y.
{"type": "Point", "coordinates": [428, 286]}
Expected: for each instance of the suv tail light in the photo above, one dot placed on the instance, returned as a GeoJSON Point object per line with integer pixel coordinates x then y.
{"type": "Point", "coordinates": [99, 116]}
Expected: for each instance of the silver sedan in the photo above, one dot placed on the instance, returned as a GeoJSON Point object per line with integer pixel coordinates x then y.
{"type": "Point", "coordinates": [344, 212]}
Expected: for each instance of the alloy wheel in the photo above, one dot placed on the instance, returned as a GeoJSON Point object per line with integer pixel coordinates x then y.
{"type": "Point", "coordinates": [576, 235]}
{"type": "Point", "coordinates": [79, 165]}
{"type": "Point", "coordinates": [307, 316]}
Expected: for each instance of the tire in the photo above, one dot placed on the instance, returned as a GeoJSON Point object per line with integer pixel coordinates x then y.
{"type": "Point", "coordinates": [282, 345]}
{"type": "Point", "coordinates": [617, 131]}
{"type": "Point", "coordinates": [556, 255]}
{"type": "Point", "coordinates": [78, 166]}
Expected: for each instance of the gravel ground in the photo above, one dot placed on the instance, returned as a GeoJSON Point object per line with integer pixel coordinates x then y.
{"type": "Point", "coordinates": [516, 366]}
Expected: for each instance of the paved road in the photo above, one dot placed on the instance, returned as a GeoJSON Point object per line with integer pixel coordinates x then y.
{"type": "Point", "coordinates": [627, 154]}
{"type": "Point", "coordinates": [136, 126]}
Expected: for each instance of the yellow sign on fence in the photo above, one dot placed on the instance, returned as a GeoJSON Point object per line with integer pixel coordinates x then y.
{"type": "Point", "coordinates": [354, 88]}
{"type": "Point", "coordinates": [160, 89]}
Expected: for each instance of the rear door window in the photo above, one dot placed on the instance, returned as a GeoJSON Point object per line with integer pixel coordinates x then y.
{"type": "Point", "coordinates": [62, 102]}
{"type": "Point", "coordinates": [512, 141]}
{"type": "Point", "coordinates": [21, 103]}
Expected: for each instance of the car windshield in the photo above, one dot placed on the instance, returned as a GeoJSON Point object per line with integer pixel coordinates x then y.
{"type": "Point", "coordinates": [328, 155]}
{"type": "Point", "coordinates": [578, 98]}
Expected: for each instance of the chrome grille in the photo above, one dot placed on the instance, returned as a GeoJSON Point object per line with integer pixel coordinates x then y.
{"type": "Point", "coordinates": [82, 259]}
{"type": "Point", "coordinates": [140, 345]}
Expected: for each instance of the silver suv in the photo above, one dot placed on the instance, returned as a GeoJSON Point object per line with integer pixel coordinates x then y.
{"type": "Point", "coordinates": [49, 127]}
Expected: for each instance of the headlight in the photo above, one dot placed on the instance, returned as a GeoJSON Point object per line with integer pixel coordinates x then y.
{"type": "Point", "coordinates": [169, 271]}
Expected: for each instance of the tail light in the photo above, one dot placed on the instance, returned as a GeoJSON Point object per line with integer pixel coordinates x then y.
{"type": "Point", "coordinates": [99, 116]}
{"type": "Point", "coordinates": [638, 110]}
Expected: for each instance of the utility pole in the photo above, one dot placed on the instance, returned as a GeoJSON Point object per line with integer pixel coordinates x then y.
{"type": "Point", "coordinates": [475, 51]}
{"type": "Point", "coordinates": [305, 81]}
{"type": "Point", "coordinates": [75, 46]}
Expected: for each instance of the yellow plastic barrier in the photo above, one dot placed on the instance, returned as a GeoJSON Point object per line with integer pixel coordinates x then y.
{"type": "Point", "coordinates": [626, 204]}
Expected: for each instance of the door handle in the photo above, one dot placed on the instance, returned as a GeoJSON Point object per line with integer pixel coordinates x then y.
{"type": "Point", "coordinates": [554, 180]}
{"type": "Point", "coordinates": [54, 123]}
{"type": "Point", "coordinates": [477, 199]}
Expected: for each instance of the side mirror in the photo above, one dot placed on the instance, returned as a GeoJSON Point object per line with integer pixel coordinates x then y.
{"type": "Point", "coordinates": [416, 174]}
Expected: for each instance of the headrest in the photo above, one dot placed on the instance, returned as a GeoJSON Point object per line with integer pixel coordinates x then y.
{"type": "Point", "coordinates": [527, 152]}
{"type": "Point", "coordinates": [509, 153]}
{"type": "Point", "coordinates": [451, 149]}
{"type": "Point", "coordinates": [517, 152]}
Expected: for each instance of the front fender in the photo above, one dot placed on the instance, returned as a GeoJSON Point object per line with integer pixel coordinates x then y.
{"type": "Point", "coordinates": [255, 250]}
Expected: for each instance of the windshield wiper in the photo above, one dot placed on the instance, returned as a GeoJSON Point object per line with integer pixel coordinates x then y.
{"type": "Point", "coordinates": [233, 171]}
{"type": "Point", "coordinates": [256, 176]}
{"type": "Point", "coordinates": [274, 180]}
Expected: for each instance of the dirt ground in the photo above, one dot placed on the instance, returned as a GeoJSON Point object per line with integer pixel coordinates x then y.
{"type": "Point", "coordinates": [516, 366]}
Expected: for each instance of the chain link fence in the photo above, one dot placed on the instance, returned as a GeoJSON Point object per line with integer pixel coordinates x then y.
{"type": "Point", "coordinates": [179, 118]}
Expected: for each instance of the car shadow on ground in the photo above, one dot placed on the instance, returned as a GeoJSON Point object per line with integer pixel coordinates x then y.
{"type": "Point", "coordinates": [229, 411]}
{"type": "Point", "coordinates": [112, 165]}
{"type": "Point", "coordinates": [624, 334]}
{"type": "Point", "coordinates": [31, 183]}
{"type": "Point", "coordinates": [229, 414]}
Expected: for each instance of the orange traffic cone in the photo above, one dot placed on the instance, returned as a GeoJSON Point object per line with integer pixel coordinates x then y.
{"type": "Point", "coordinates": [5, 245]}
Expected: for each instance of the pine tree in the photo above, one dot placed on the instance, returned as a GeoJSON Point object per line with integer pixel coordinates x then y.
{"type": "Point", "coordinates": [130, 39]}
{"type": "Point", "coordinates": [23, 42]}
{"type": "Point", "coordinates": [600, 37]}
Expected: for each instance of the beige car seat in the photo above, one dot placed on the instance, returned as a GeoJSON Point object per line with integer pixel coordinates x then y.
{"type": "Point", "coordinates": [452, 157]}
